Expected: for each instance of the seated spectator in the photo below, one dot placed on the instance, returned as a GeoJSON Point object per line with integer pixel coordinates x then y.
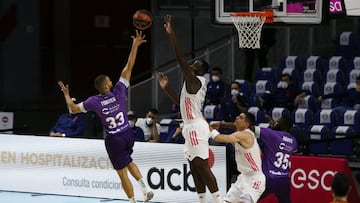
{"type": "Point", "coordinates": [215, 88]}
{"type": "Point", "coordinates": [70, 125]}
{"type": "Point", "coordinates": [138, 132]}
{"type": "Point", "coordinates": [349, 98]}
{"type": "Point", "coordinates": [150, 125]}
{"type": "Point", "coordinates": [234, 103]}
{"type": "Point", "coordinates": [283, 96]}
{"type": "Point", "coordinates": [177, 136]}
{"type": "Point", "coordinates": [340, 188]}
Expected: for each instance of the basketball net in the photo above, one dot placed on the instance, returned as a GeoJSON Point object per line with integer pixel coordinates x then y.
{"type": "Point", "coordinates": [249, 30]}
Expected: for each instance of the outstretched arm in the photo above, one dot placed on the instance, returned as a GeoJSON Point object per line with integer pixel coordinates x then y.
{"type": "Point", "coordinates": [193, 84]}
{"type": "Point", "coordinates": [163, 82]}
{"type": "Point", "coordinates": [137, 41]}
{"type": "Point", "coordinates": [69, 102]}
{"type": "Point", "coordinates": [243, 137]}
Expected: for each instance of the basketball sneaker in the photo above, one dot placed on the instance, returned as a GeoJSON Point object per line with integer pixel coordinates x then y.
{"type": "Point", "coordinates": [148, 196]}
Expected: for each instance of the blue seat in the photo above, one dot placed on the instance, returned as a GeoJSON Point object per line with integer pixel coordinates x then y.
{"type": "Point", "coordinates": [167, 128]}
{"type": "Point", "coordinates": [318, 133]}
{"type": "Point", "coordinates": [312, 75]}
{"type": "Point", "coordinates": [336, 62]}
{"type": "Point", "coordinates": [265, 73]}
{"type": "Point", "coordinates": [258, 113]}
{"type": "Point", "coordinates": [308, 102]}
{"type": "Point", "coordinates": [292, 62]}
{"type": "Point", "coordinates": [211, 112]}
{"type": "Point", "coordinates": [331, 88]}
{"type": "Point", "coordinates": [311, 87]}
{"type": "Point", "coordinates": [261, 86]}
{"type": "Point", "coordinates": [316, 63]}
{"type": "Point", "coordinates": [277, 112]}
{"type": "Point", "coordinates": [342, 146]}
{"type": "Point", "coordinates": [326, 117]}
{"type": "Point", "coordinates": [350, 118]}
{"type": "Point", "coordinates": [335, 75]}
{"type": "Point", "coordinates": [345, 44]}
{"type": "Point", "coordinates": [328, 103]}
{"type": "Point", "coordinates": [302, 118]}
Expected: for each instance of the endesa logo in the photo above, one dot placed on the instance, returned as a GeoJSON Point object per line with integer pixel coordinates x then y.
{"type": "Point", "coordinates": [335, 6]}
{"type": "Point", "coordinates": [313, 179]}
{"type": "Point", "coordinates": [175, 179]}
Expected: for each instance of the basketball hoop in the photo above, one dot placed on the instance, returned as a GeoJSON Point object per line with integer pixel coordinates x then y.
{"type": "Point", "coordinates": [249, 26]}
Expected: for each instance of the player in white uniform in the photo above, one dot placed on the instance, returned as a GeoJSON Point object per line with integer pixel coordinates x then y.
{"type": "Point", "coordinates": [250, 184]}
{"type": "Point", "coordinates": [195, 130]}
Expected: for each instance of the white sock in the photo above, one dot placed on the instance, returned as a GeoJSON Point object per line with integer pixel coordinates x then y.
{"type": "Point", "coordinates": [202, 197]}
{"type": "Point", "coordinates": [142, 185]}
{"type": "Point", "coordinates": [217, 197]}
{"type": "Point", "coordinates": [132, 200]}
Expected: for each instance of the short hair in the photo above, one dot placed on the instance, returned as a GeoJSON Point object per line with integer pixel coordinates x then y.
{"type": "Point", "coordinates": [285, 123]}
{"type": "Point", "coordinates": [99, 83]}
{"type": "Point", "coordinates": [154, 111]}
{"type": "Point", "coordinates": [340, 184]}
{"type": "Point", "coordinates": [286, 74]}
{"type": "Point", "coordinates": [250, 118]}
{"type": "Point", "coordinates": [217, 68]}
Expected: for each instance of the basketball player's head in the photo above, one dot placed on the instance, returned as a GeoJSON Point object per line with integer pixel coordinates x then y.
{"type": "Point", "coordinates": [244, 121]}
{"type": "Point", "coordinates": [285, 123]}
{"type": "Point", "coordinates": [200, 67]}
{"type": "Point", "coordinates": [103, 84]}
{"type": "Point", "coordinates": [340, 186]}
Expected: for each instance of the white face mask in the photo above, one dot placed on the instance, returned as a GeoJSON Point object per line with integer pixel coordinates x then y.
{"type": "Point", "coordinates": [282, 84]}
{"type": "Point", "coordinates": [132, 124]}
{"type": "Point", "coordinates": [149, 121]}
{"type": "Point", "coordinates": [234, 92]}
{"type": "Point", "coordinates": [215, 78]}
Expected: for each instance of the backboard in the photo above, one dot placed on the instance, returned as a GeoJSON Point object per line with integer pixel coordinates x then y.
{"type": "Point", "coordinates": [285, 11]}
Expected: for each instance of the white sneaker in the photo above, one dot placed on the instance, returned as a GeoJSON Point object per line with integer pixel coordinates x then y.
{"type": "Point", "coordinates": [148, 196]}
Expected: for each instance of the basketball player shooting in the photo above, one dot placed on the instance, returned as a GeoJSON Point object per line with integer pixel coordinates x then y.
{"type": "Point", "coordinates": [196, 130]}
{"type": "Point", "coordinates": [110, 106]}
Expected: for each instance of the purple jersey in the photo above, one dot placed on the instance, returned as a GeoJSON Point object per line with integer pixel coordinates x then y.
{"type": "Point", "coordinates": [277, 149]}
{"type": "Point", "coordinates": [111, 108]}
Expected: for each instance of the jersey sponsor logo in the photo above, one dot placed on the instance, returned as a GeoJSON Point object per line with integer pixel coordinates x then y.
{"type": "Point", "coordinates": [284, 147]}
{"type": "Point", "coordinates": [256, 185]}
{"type": "Point", "coordinates": [312, 180]}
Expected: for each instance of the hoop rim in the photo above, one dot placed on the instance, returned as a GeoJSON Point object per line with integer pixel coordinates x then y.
{"type": "Point", "coordinates": [268, 14]}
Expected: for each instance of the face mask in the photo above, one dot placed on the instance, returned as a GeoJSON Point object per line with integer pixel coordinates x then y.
{"type": "Point", "coordinates": [282, 84]}
{"type": "Point", "coordinates": [132, 124]}
{"type": "Point", "coordinates": [149, 121]}
{"type": "Point", "coordinates": [234, 92]}
{"type": "Point", "coordinates": [215, 78]}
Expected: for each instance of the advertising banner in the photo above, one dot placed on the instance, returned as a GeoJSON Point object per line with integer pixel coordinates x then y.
{"type": "Point", "coordinates": [80, 167]}
{"type": "Point", "coordinates": [311, 178]}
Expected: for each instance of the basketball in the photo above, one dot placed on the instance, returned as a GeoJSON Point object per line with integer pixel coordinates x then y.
{"type": "Point", "coordinates": [142, 19]}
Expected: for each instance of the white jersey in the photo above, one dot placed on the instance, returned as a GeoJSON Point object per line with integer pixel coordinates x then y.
{"type": "Point", "coordinates": [248, 160]}
{"type": "Point", "coordinates": [191, 104]}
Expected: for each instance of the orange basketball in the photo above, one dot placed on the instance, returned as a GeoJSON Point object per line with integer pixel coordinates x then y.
{"type": "Point", "coordinates": [142, 19]}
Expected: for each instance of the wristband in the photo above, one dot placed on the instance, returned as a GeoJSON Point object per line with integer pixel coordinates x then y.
{"type": "Point", "coordinates": [63, 134]}
{"type": "Point", "coordinates": [214, 133]}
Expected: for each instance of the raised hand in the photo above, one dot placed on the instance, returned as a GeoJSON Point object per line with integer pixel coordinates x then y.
{"type": "Point", "coordinates": [139, 38]}
{"type": "Point", "coordinates": [64, 88]}
{"type": "Point", "coordinates": [167, 24]}
{"type": "Point", "coordinates": [163, 80]}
